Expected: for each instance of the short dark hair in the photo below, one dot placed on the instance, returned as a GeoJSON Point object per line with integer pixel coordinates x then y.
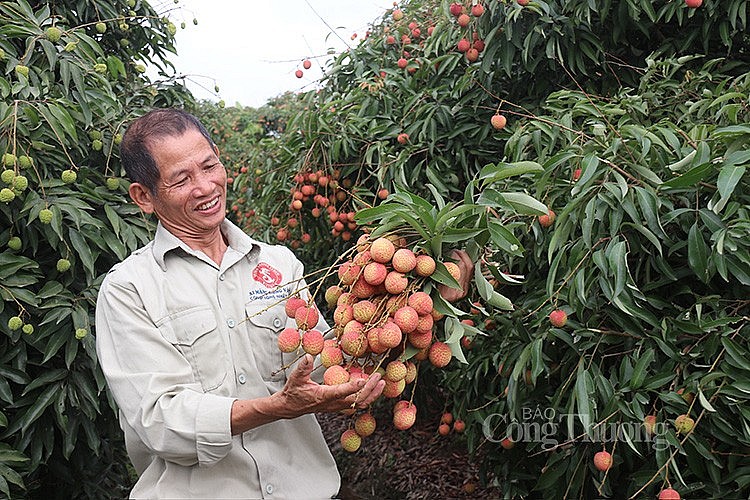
{"type": "Point", "coordinates": [135, 155]}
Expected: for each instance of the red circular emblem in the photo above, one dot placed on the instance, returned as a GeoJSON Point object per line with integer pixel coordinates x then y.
{"type": "Point", "coordinates": [270, 277]}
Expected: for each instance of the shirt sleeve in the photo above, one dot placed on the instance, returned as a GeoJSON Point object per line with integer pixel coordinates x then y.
{"type": "Point", "coordinates": [153, 384]}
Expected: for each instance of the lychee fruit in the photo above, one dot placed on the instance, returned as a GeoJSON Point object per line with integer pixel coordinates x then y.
{"type": "Point", "coordinates": [390, 335]}
{"type": "Point", "coordinates": [288, 340]}
{"type": "Point", "coordinates": [684, 424]}
{"type": "Point", "coordinates": [649, 424]}
{"type": "Point", "coordinates": [332, 295]}
{"type": "Point", "coordinates": [456, 9]}
{"type": "Point", "coordinates": [63, 265]}
{"type": "Point", "coordinates": [411, 372]}
{"type": "Point", "coordinates": [498, 121]}
{"type": "Point", "coordinates": [477, 10]}
{"type": "Point", "coordinates": [335, 375]}
{"type": "Point", "coordinates": [350, 440]}
{"type": "Point", "coordinates": [459, 426]}
{"type": "Point", "coordinates": [424, 323]}
{"type": "Point", "coordinates": [343, 314]}
{"type": "Point", "coordinates": [403, 137]}
{"type": "Point", "coordinates": [364, 310]}
{"type": "Point", "coordinates": [331, 356]}
{"type": "Point", "coordinates": [365, 424]}
{"type": "Point", "coordinates": [382, 250]}
{"type": "Point", "coordinates": [306, 317]}
{"type": "Point", "coordinates": [292, 304]}
{"type": "Point", "coordinates": [354, 343]}
{"type": "Point", "coordinates": [453, 270]}
{"type": "Point", "coordinates": [14, 323]}
{"type": "Point", "coordinates": [669, 494]}
{"type": "Point", "coordinates": [396, 282]}
{"type": "Point", "coordinates": [602, 460]}
{"type": "Point", "coordinates": [444, 429]}
{"type": "Point", "coordinates": [421, 302]}
{"type": "Point", "coordinates": [558, 318]}
{"type": "Point", "coordinates": [425, 265]}
{"type": "Point", "coordinates": [348, 273]}
{"type": "Point", "coordinates": [420, 340]}
{"type": "Point", "coordinates": [395, 371]}
{"type": "Point", "coordinates": [406, 318]}
{"type": "Point", "coordinates": [548, 219]}
{"type": "Point", "coordinates": [362, 289]}
{"type": "Point", "coordinates": [440, 354]}
{"type": "Point", "coordinates": [446, 418]}
{"type": "Point", "coordinates": [403, 260]}
{"type": "Point", "coordinates": [403, 419]}
{"type": "Point", "coordinates": [394, 389]}
{"type": "Point", "coordinates": [312, 342]}
{"type": "Point", "coordinates": [45, 216]}
{"type": "Point", "coordinates": [463, 20]}
{"type": "Point", "coordinates": [375, 273]}
{"type": "Point", "coordinates": [463, 45]}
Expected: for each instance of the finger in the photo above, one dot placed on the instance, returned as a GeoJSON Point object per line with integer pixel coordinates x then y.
{"type": "Point", "coordinates": [303, 369]}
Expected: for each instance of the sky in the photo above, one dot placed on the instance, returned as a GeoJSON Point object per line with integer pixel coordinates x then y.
{"type": "Point", "coordinates": [252, 49]}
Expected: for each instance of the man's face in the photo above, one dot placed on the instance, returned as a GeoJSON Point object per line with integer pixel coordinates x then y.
{"type": "Point", "coordinates": [190, 198]}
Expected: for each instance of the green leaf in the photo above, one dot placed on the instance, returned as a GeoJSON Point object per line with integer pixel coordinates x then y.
{"type": "Point", "coordinates": [639, 371]}
{"type": "Point", "coordinates": [83, 250]}
{"type": "Point", "coordinates": [690, 178]}
{"type": "Point", "coordinates": [493, 173]}
{"type": "Point", "coordinates": [698, 253]}
{"type": "Point", "coordinates": [524, 204]}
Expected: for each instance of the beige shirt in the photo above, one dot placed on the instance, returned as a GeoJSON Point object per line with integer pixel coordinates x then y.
{"type": "Point", "coordinates": [180, 339]}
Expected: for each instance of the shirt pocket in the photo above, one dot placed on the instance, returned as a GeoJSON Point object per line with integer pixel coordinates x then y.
{"type": "Point", "coordinates": [195, 334]}
{"type": "Point", "coordinates": [265, 321]}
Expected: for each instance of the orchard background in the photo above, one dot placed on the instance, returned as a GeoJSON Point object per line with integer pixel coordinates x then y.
{"type": "Point", "coordinates": [629, 120]}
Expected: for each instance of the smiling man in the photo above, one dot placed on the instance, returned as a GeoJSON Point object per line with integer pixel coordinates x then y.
{"type": "Point", "coordinates": [186, 336]}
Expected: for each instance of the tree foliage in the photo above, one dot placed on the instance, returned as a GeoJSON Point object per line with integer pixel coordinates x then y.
{"type": "Point", "coordinates": [71, 76]}
{"type": "Point", "coordinates": [628, 120]}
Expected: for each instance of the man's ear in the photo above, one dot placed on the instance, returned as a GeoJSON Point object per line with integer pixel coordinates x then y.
{"type": "Point", "coordinates": [142, 197]}
{"type": "Point", "coordinates": [216, 150]}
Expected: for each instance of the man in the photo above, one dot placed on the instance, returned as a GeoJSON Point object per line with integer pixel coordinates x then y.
{"type": "Point", "coordinates": [186, 336]}
{"type": "Point", "coordinates": [187, 331]}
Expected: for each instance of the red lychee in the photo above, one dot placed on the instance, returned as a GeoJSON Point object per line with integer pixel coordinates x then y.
{"type": "Point", "coordinates": [425, 265]}
{"type": "Point", "coordinates": [394, 389]}
{"type": "Point", "coordinates": [684, 424]}
{"type": "Point", "coordinates": [396, 282]}
{"type": "Point", "coordinates": [453, 270]}
{"type": "Point", "coordinates": [558, 318]}
{"type": "Point", "coordinates": [406, 318]}
{"type": "Point", "coordinates": [463, 45]}
{"type": "Point", "coordinates": [498, 121]}
{"type": "Point", "coordinates": [602, 460]}
{"type": "Point", "coordinates": [390, 335]}
{"type": "Point", "coordinates": [548, 219]}
{"type": "Point", "coordinates": [420, 340]}
{"type": "Point", "coordinates": [375, 273]}
{"type": "Point", "coordinates": [335, 375]}
{"type": "Point", "coordinates": [364, 310]}
{"type": "Point", "coordinates": [440, 354]}
{"type": "Point", "coordinates": [292, 304]}
{"type": "Point", "coordinates": [348, 273]}
{"type": "Point", "coordinates": [477, 10]}
{"type": "Point", "coordinates": [421, 302]}
{"type": "Point", "coordinates": [669, 494]}
{"type": "Point", "coordinates": [403, 260]}
{"type": "Point", "coordinates": [382, 250]}
{"type": "Point", "coordinates": [405, 418]}
{"type": "Point", "coordinates": [331, 356]}
{"type": "Point", "coordinates": [395, 371]}
{"type": "Point", "coordinates": [306, 317]}
{"type": "Point", "coordinates": [312, 342]}
{"type": "Point", "coordinates": [463, 20]}
{"type": "Point", "coordinates": [288, 340]}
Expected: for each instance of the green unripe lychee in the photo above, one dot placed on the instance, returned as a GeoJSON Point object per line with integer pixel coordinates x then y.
{"type": "Point", "coordinates": [20, 183]}
{"type": "Point", "coordinates": [15, 323]}
{"type": "Point", "coordinates": [100, 68]}
{"type": "Point", "coordinates": [69, 176]}
{"type": "Point", "coordinates": [131, 3]}
{"type": "Point", "coordinates": [28, 329]}
{"type": "Point", "coordinates": [183, 25]}
{"type": "Point", "coordinates": [25, 161]}
{"type": "Point", "coordinates": [96, 145]}
{"type": "Point", "coordinates": [113, 183]}
{"type": "Point", "coordinates": [81, 333]}
{"type": "Point", "coordinates": [132, 13]}
{"type": "Point", "coordinates": [94, 134]}
{"type": "Point", "coordinates": [9, 160]}
{"type": "Point", "coordinates": [45, 216]}
{"type": "Point", "coordinates": [7, 176]}
{"type": "Point", "coordinates": [63, 265]}
{"type": "Point", "coordinates": [222, 103]}
{"type": "Point", "coordinates": [124, 27]}
{"type": "Point", "coordinates": [124, 42]}
{"type": "Point", "coordinates": [14, 243]}
{"type": "Point", "coordinates": [140, 68]}
{"type": "Point", "coordinates": [101, 28]}
{"type": "Point", "coordinates": [70, 46]}
{"type": "Point", "coordinates": [6, 195]}
{"type": "Point", "coordinates": [172, 29]}
{"type": "Point", "coordinates": [216, 89]}
{"type": "Point", "coordinates": [117, 139]}
{"type": "Point", "coordinates": [22, 70]}
{"type": "Point", "coordinates": [53, 34]}
{"type": "Point", "coordinates": [2, 54]}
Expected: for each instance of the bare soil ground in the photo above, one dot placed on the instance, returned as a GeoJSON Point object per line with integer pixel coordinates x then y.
{"type": "Point", "coordinates": [413, 464]}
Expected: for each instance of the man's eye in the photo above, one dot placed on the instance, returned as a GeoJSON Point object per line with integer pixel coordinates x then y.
{"type": "Point", "coordinates": [180, 182]}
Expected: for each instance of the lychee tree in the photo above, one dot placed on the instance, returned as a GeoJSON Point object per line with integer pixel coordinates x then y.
{"type": "Point", "coordinates": [71, 75]}
{"type": "Point", "coordinates": [636, 116]}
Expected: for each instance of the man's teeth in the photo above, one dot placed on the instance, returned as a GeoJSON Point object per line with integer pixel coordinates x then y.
{"type": "Point", "coordinates": [208, 205]}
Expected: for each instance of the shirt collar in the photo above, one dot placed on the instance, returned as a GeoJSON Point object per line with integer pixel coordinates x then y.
{"type": "Point", "coordinates": [164, 241]}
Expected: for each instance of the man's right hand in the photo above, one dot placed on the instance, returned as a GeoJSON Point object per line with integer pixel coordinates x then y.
{"type": "Point", "coordinates": [301, 395]}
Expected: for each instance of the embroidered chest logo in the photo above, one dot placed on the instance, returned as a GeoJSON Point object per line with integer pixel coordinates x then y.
{"type": "Point", "coordinates": [267, 275]}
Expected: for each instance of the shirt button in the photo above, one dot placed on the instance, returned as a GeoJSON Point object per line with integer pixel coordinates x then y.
{"type": "Point", "coordinates": [230, 323]}
{"type": "Point", "coordinates": [221, 277]}
{"type": "Point", "coordinates": [269, 488]}
{"type": "Point", "coordinates": [241, 377]}
{"type": "Point", "coordinates": [276, 323]}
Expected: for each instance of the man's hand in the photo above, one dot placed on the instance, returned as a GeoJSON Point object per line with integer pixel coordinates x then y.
{"type": "Point", "coordinates": [466, 266]}
{"type": "Point", "coordinates": [301, 395]}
